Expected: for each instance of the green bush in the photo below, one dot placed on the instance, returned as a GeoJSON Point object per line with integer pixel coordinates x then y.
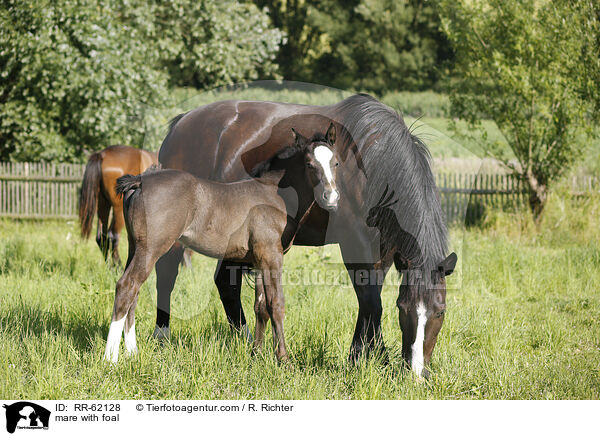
{"type": "Point", "coordinates": [210, 43]}
{"type": "Point", "coordinates": [77, 76]}
{"type": "Point", "coordinates": [73, 73]}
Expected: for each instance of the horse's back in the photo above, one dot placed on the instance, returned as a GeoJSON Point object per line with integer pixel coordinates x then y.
{"type": "Point", "coordinates": [223, 141]}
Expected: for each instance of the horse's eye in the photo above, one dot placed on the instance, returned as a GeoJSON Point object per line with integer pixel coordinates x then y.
{"type": "Point", "coordinates": [337, 164]}
{"type": "Point", "coordinates": [440, 313]}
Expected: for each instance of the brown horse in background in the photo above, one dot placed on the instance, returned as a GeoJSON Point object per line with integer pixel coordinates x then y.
{"type": "Point", "coordinates": [98, 193]}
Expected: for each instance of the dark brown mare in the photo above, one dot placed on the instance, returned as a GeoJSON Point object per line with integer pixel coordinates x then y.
{"type": "Point", "coordinates": [222, 141]}
{"type": "Point", "coordinates": [252, 221]}
{"type": "Point", "coordinates": [98, 194]}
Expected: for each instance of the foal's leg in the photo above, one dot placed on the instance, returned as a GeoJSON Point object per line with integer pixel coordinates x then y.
{"type": "Point", "coordinates": [262, 314]}
{"type": "Point", "coordinates": [271, 262]}
{"type": "Point", "coordinates": [126, 295]}
{"type": "Point", "coordinates": [167, 268]}
{"type": "Point", "coordinates": [130, 341]}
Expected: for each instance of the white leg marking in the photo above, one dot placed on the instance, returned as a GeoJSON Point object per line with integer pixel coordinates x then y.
{"type": "Point", "coordinates": [114, 340]}
{"type": "Point", "coordinates": [130, 343]}
{"type": "Point", "coordinates": [161, 333]}
{"type": "Point", "coordinates": [417, 360]}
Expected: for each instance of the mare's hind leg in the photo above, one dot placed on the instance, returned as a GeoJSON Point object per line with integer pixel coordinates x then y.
{"type": "Point", "coordinates": [101, 233]}
{"type": "Point", "coordinates": [228, 278]}
{"type": "Point", "coordinates": [116, 226]}
{"type": "Point", "coordinates": [126, 295]}
{"type": "Point", "coordinates": [262, 314]}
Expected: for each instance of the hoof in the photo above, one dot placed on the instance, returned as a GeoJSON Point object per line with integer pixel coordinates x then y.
{"type": "Point", "coordinates": [245, 332]}
{"type": "Point", "coordinates": [161, 333]}
{"type": "Point", "coordinates": [284, 361]}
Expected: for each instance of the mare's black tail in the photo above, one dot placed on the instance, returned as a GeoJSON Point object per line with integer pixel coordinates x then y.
{"type": "Point", "coordinates": [90, 189]}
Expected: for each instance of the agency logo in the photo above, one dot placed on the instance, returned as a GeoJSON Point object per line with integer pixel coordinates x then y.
{"type": "Point", "coordinates": [26, 415]}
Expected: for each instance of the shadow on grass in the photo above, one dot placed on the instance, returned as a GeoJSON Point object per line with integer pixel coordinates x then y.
{"type": "Point", "coordinates": [24, 320]}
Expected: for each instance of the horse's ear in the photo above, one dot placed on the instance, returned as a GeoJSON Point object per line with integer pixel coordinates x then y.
{"type": "Point", "coordinates": [330, 135]}
{"type": "Point", "coordinates": [299, 140]}
{"type": "Point", "coordinates": [448, 264]}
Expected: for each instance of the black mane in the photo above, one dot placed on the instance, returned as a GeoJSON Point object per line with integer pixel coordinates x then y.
{"type": "Point", "coordinates": [395, 158]}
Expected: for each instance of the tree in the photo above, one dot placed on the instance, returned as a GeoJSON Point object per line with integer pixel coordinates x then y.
{"type": "Point", "coordinates": [380, 45]}
{"type": "Point", "coordinates": [298, 51]}
{"type": "Point", "coordinates": [71, 76]}
{"type": "Point", "coordinates": [207, 43]}
{"type": "Point", "coordinates": [528, 65]}
{"type": "Point", "coordinates": [76, 74]}
{"type": "Point", "coordinates": [376, 45]}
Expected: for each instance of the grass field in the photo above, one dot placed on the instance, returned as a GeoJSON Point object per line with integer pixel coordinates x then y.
{"type": "Point", "coordinates": [523, 322]}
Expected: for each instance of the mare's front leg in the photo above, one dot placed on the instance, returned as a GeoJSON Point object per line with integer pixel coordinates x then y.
{"type": "Point", "coordinates": [228, 278]}
{"type": "Point", "coordinates": [262, 314]}
{"type": "Point", "coordinates": [367, 280]}
{"type": "Point", "coordinates": [270, 265]}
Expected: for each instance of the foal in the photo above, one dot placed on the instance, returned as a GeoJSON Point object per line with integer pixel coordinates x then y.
{"type": "Point", "coordinates": [252, 221]}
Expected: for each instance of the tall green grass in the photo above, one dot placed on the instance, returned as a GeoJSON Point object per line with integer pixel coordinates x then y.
{"type": "Point", "coordinates": [523, 322]}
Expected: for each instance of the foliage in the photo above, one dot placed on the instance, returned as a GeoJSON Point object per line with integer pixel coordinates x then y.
{"type": "Point", "coordinates": [523, 322]}
{"type": "Point", "coordinates": [376, 45]}
{"type": "Point", "coordinates": [71, 76]}
{"type": "Point", "coordinates": [78, 75]}
{"type": "Point", "coordinates": [527, 65]}
{"type": "Point", "coordinates": [303, 42]}
{"type": "Point", "coordinates": [210, 43]}
{"type": "Point", "coordinates": [380, 45]}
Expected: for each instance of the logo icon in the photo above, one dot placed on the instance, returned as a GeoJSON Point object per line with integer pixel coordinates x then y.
{"type": "Point", "coordinates": [26, 415]}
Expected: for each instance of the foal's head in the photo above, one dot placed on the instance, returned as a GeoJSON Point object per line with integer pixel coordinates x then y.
{"type": "Point", "coordinates": [320, 166]}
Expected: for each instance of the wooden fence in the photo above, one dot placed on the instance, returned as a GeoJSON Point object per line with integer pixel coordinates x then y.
{"type": "Point", "coordinates": [40, 190]}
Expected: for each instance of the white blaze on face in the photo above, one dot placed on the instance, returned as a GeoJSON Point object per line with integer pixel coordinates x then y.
{"type": "Point", "coordinates": [323, 155]}
{"type": "Point", "coordinates": [417, 361]}
{"type": "Point", "coordinates": [114, 340]}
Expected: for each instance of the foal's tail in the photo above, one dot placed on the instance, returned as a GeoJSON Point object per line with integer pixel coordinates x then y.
{"type": "Point", "coordinates": [127, 183]}
{"type": "Point", "coordinates": [88, 197]}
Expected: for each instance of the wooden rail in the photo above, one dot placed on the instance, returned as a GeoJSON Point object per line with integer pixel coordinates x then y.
{"type": "Point", "coordinates": [45, 190]}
